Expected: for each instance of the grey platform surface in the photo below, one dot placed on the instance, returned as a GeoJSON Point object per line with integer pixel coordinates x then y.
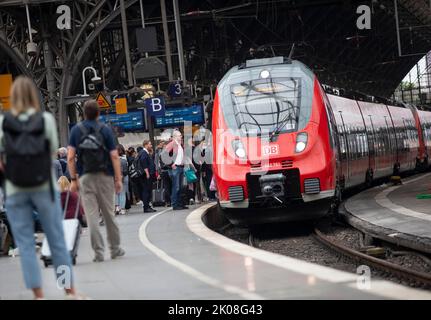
{"type": "Point", "coordinates": [393, 213]}
{"type": "Point", "coordinates": [141, 274]}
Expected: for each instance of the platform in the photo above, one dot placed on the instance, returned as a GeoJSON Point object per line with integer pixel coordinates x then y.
{"type": "Point", "coordinates": [394, 213]}
{"type": "Point", "coordinates": [173, 255]}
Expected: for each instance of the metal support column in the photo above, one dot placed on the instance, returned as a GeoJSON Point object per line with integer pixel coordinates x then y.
{"type": "Point", "coordinates": [126, 43]}
{"type": "Point", "coordinates": [180, 43]}
{"type": "Point", "coordinates": [50, 80]}
{"type": "Point", "coordinates": [397, 23]}
{"type": "Point", "coordinates": [419, 82]}
{"type": "Point", "coordinates": [168, 52]}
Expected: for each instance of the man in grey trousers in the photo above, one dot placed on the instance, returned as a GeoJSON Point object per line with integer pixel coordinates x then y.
{"type": "Point", "coordinates": [97, 175]}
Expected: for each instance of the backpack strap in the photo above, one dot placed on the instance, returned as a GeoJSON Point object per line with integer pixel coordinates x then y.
{"type": "Point", "coordinates": [78, 204]}
{"type": "Point", "coordinates": [83, 129]}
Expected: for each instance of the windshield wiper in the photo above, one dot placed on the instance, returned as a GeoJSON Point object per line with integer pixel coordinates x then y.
{"type": "Point", "coordinates": [281, 124]}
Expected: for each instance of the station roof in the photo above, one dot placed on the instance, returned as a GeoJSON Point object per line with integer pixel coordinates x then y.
{"type": "Point", "coordinates": [327, 38]}
{"type": "Point", "coordinates": [219, 34]}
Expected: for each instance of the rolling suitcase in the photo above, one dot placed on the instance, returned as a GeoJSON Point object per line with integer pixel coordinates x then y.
{"type": "Point", "coordinates": [158, 196]}
{"type": "Point", "coordinates": [72, 232]}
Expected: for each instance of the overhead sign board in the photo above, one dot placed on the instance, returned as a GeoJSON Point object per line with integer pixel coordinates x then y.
{"type": "Point", "coordinates": [130, 122]}
{"type": "Point", "coordinates": [176, 115]}
{"type": "Point", "coordinates": [175, 90]}
{"type": "Point", "coordinates": [5, 85]}
{"type": "Point", "coordinates": [102, 101]}
{"type": "Point", "coordinates": [121, 105]}
{"type": "Point", "coordinates": [155, 106]}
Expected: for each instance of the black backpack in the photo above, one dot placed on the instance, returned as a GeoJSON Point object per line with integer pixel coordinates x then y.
{"type": "Point", "coordinates": [28, 157]}
{"type": "Point", "coordinates": [135, 169]}
{"type": "Point", "coordinates": [92, 152]}
{"type": "Point", "coordinates": [124, 167]}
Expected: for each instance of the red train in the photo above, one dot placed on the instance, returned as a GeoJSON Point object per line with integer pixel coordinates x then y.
{"type": "Point", "coordinates": [285, 150]}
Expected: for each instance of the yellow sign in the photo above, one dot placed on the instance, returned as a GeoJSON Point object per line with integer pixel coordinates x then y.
{"type": "Point", "coordinates": [121, 105]}
{"type": "Point", "coordinates": [5, 85]}
{"type": "Point", "coordinates": [102, 101]}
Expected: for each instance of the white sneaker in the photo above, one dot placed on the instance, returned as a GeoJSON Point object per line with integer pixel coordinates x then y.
{"type": "Point", "coordinates": [13, 252]}
{"type": "Point", "coordinates": [122, 212]}
{"type": "Point", "coordinates": [139, 203]}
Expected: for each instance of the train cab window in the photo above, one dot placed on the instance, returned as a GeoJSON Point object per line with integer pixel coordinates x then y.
{"type": "Point", "coordinates": [281, 102]}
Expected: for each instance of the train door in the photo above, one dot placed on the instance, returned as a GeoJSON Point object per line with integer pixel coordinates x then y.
{"type": "Point", "coordinates": [370, 134]}
{"type": "Point", "coordinates": [334, 135]}
{"type": "Point", "coordinates": [344, 148]}
{"type": "Point", "coordinates": [380, 154]}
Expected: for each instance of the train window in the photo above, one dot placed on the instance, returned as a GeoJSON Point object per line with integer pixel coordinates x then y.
{"type": "Point", "coordinates": [343, 147]}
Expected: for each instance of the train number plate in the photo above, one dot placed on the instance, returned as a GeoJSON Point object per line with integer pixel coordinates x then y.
{"type": "Point", "coordinates": [270, 150]}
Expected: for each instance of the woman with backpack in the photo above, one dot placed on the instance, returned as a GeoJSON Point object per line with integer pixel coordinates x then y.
{"type": "Point", "coordinates": [28, 144]}
{"type": "Point", "coordinates": [120, 200]}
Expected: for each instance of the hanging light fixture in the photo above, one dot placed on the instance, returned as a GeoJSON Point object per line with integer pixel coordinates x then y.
{"type": "Point", "coordinates": [31, 46]}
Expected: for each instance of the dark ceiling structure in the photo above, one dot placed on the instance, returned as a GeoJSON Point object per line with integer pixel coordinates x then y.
{"type": "Point", "coordinates": [217, 34]}
{"type": "Point", "coordinates": [325, 33]}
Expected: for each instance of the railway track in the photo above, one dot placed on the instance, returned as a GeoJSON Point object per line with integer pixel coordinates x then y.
{"type": "Point", "coordinates": [382, 265]}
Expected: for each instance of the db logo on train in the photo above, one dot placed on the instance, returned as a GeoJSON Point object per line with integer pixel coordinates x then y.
{"type": "Point", "coordinates": [269, 150]}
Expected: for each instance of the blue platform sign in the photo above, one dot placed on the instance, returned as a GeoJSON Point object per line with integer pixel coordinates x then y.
{"type": "Point", "coordinates": [176, 115]}
{"type": "Point", "coordinates": [175, 90]}
{"type": "Point", "coordinates": [155, 106]}
{"type": "Point", "coordinates": [129, 122]}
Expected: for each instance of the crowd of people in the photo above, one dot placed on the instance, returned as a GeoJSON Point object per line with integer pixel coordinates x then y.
{"type": "Point", "coordinates": [92, 180]}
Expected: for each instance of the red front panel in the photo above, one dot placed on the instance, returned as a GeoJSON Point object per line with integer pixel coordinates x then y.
{"type": "Point", "coordinates": [316, 161]}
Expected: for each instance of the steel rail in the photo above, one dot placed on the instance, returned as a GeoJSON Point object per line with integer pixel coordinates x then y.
{"type": "Point", "coordinates": [380, 264]}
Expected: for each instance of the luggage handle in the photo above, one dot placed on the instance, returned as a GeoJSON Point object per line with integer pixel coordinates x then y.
{"type": "Point", "coordinates": [159, 183]}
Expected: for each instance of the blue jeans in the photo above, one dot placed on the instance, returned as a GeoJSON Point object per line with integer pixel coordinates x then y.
{"type": "Point", "coordinates": [120, 199]}
{"type": "Point", "coordinates": [19, 210]}
{"type": "Point", "coordinates": [177, 178]}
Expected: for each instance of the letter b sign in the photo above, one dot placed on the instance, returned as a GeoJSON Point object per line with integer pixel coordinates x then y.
{"type": "Point", "coordinates": [155, 106]}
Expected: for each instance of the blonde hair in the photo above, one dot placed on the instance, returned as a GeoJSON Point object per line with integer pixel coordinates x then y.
{"type": "Point", "coordinates": [63, 184]}
{"type": "Point", "coordinates": [24, 95]}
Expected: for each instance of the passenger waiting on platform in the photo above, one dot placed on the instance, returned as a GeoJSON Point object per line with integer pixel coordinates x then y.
{"type": "Point", "coordinates": [62, 157]}
{"type": "Point", "coordinates": [175, 151]}
{"type": "Point", "coordinates": [133, 183]}
{"type": "Point", "coordinates": [120, 199]}
{"type": "Point", "coordinates": [190, 172]}
{"type": "Point", "coordinates": [99, 172]}
{"type": "Point", "coordinates": [26, 190]}
{"type": "Point", "coordinates": [207, 172]}
{"type": "Point", "coordinates": [149, 170]}
{"type": "Point", "coordinates": [163, 172]}
{"type": "Point", "coordinates": [57, 168]}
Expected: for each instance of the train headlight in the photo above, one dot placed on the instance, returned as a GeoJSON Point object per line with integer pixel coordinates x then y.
{"type": "Point", "coordinates": [301, 142]}
{"type": "Point", "coordinates": [264, 74]}
{"type": "Point", "coordinates": [239, 149]}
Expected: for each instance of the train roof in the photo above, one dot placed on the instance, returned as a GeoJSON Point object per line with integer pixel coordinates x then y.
{"type": "Point", "coordinates": [271, 64]}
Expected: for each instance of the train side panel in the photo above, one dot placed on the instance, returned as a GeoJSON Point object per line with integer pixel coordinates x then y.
{"type": "Point", "coordinates": [407, 138]}
{"type": "Point", "coordinates": [352, 137]}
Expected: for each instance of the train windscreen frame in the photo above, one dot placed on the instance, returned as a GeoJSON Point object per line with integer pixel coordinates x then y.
{"type": "Point", "coordinates": [285, 98]}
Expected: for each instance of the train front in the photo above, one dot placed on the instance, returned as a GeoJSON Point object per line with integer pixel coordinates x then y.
{"type": "Point", "coordinates": [274, 156]}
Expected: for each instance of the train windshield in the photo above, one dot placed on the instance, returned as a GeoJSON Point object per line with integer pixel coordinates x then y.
{"type": "Point", "coordinates": [258, 105]}
{"type": "Point", "coordinates": [267, 105]}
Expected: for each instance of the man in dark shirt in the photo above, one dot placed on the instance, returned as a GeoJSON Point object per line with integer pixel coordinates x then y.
{"type": "Point", "coordinates": [99, 180]}
{"type": "Point", "coordinates": [147, 164]}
